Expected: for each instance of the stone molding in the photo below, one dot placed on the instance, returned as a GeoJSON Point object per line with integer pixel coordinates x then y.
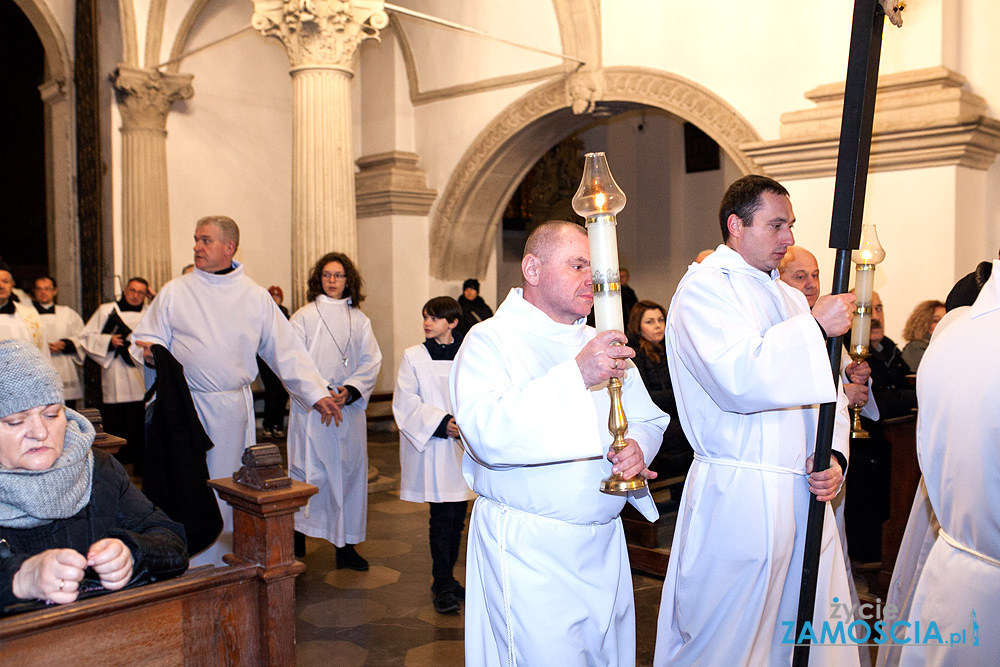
{"type": "Point", "coordinates": [464, 223]}
{"type": "Point", "coordinates": [923, 118]}
{"type": "Point", "coordinates": [392, 184]}
{"type": "Point", "coordinates": [320, 33]}
{"type": "Point", "coordinates": [145, 95]}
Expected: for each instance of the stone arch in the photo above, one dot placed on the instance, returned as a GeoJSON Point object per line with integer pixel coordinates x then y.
{"type": "Point", "coordinates": [465, 220]}
{"type": "Point", "coordinates": [57, 56]}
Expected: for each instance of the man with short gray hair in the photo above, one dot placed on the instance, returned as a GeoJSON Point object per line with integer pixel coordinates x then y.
{"type": "Point", "coordinates": [215, 321]}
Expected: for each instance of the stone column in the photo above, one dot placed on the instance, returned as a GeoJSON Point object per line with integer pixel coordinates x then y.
{"type": "Point", "coordinates": [60, 168]}
{"type": "Point", "coordinates": [144, 98]}
{"type": "Point", "coordinates": [321, 38]}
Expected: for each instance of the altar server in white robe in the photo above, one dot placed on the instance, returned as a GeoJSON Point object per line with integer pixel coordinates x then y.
{"type": "Point", "coordinates": [547, 571]}
{"type": "Point", "coordinates": [958, 442]}
{"type": "Point", "coordinates": [122, 383]}
{"type": "Point", "coordinates": [749, 366]}
{"type": "Point", "coordinates": [339, 338]}
{"type": "Point", "coordinates": [62, 326]}
{"type": "Point", "coordinates": [430, 455]}
{"type": "Point", "coordinates": [214, 321]}
{"type": "Point", "coordinates": [18, 320]}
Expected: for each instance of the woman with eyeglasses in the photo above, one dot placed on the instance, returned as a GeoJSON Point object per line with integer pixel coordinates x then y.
{"type": "Point", "coordinates": [340, 340]}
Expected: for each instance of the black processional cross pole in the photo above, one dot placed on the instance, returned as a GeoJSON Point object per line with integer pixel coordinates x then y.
{"type": "Point", "coordinates": [845, 233]}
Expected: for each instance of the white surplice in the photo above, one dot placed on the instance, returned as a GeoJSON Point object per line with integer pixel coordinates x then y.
{"type": "Point", "coordinates": [749, 366]}
{"type": "Point", "coordinates": [430, 468]}
{"type": "Point", "coordinates": [120, 382]}
{"type": "Point", "coordinates": [958, 442]}
{"type": "Point", "coordinates": [334, 458]}
{"type": "Point", "coordinates": [65, 323]}
{"type": "Point", "coordinates": [547, 573]}
{"type": "Point", "coordinates": [26, 325]}
{"type": "Point", "coordinates": [215, 326]}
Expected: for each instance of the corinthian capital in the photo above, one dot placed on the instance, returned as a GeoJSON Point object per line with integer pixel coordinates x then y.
{"type": "Point", "coordinates": [145, 95]}
{"type": "Point", "coordinates": [320, 32]}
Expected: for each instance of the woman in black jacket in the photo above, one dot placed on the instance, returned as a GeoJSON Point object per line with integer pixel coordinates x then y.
{"type": "Point", "coordinates": [70, 520]}
{"type": "Point", "coordinates": [646, 329]}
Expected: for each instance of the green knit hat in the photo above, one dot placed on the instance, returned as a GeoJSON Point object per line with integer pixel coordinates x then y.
{"type": "Point", "coordinates": [26, 380]}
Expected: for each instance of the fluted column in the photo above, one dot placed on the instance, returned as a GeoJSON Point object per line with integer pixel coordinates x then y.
{"type": "Point", "coordinates": [144, 99]}
{"type": "Point", "coordinates": [321, 38]}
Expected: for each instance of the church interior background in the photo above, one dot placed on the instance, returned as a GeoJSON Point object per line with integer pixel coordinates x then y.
{"type": "Point", "coordinates": [354, 125]}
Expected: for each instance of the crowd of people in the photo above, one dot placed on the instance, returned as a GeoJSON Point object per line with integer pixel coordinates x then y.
{"type": "Point", "coordinates": [721, 389]}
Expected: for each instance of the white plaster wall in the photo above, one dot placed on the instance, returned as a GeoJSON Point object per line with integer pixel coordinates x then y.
{"type": "Point", "coordinates": [447, 57]}
{"type": "Point", "coordinates": [229, 146]}
{"type": "Point", "coordinates": [759, 61]}
{"type": "Point", "coordinates": [920, 261]}
{"type": "Point", "coordinates": [172, 18]}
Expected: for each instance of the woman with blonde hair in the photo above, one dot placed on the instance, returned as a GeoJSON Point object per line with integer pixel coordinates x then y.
{"type": "Point", "coordinates": [917, 332]}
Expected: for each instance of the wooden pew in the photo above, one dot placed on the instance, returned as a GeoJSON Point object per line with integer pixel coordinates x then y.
{"type": "Point", "coordinates": [242, 614]}
{"type": "Point", "coordinates": [901, 432]}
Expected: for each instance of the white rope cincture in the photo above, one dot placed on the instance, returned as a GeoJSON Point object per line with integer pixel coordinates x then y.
{"type": "Point", "coordinates": [505, 583]}
{"type": "Point", "coordinates": [733, 463]}
{"type": "Point", "coordinates": [989, 560]}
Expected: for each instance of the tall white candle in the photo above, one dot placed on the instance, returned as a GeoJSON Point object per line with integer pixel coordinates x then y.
{"type": "Point", "coordinates": [602, 234]}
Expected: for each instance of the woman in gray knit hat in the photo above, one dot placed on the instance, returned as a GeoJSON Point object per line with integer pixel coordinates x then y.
{"type": "Point", "coordinates": [70, 520]}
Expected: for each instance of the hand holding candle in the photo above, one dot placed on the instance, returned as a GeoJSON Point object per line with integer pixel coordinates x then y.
{"type": "Point", "coordinates": [598, 200]}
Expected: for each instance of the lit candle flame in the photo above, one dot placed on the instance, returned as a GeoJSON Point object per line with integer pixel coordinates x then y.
{"type": "Point", "coordinates": [600, 200]}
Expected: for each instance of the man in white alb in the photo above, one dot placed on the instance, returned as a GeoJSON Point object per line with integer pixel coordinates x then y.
{"type": "Point", "coordinates": [62, 326]}
{"type": "Point", "coordinates": [215, 321]}
{"type": "Point", "coordinates": [547, 574]}
{"type": "Point", "coordinates": [749, 366]}
{"type": "Point", "coordinates": [18, 320]}
{"type": "Point", "coordinates": [106, 339]}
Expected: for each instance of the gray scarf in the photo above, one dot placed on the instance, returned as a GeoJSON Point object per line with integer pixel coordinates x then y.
{"type": "Point", "coordinates": [32, 498]}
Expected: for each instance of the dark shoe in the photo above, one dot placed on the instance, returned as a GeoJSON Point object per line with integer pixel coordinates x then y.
{"type": "Point", "coordinates": [299, 540]}
{"type": "Point", "coordinates": [445, 602]}
{"type": "Point", "coordinates": [347, 556]}
{"type": "Point", "coordinates": [452, 586]}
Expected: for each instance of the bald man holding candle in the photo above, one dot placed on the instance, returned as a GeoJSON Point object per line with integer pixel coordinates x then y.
{"type": "Point", "coordinates": [548, 574]}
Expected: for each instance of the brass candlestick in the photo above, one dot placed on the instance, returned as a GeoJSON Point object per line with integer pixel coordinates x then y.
{"type": "Point", "coordinates": [868, 254]}
{"type": "Point", "coordinates": [858, 353]}
{"type": "Point", "coordinates": [598, 200]}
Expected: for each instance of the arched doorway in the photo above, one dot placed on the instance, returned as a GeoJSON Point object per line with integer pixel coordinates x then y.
{"type": "Point", "coordinates": [56, 94]}
{"type": "Point", "coordinates": [464, 223]}
{"type": "Point", "coordinates": [672, 174]}
{"type": "Point", "coordinates": [22, 166]}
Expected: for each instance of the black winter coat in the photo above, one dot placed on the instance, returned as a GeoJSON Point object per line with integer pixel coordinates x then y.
{"type": "Point", "coordinates": [116, 509]}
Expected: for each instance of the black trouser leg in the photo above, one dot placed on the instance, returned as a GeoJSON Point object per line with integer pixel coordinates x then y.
{"type": "Point", "coordinates": [275, 397]}
{"type": "Point", "coordinates": [459, 510]}
{"type": "Point", "coordinates": [446, 523]}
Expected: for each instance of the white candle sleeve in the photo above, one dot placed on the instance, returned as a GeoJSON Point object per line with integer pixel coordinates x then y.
{"type": "Point", "coordinates": [602, 234]}
{"type": "Point", "coordinates": [864, 284]}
